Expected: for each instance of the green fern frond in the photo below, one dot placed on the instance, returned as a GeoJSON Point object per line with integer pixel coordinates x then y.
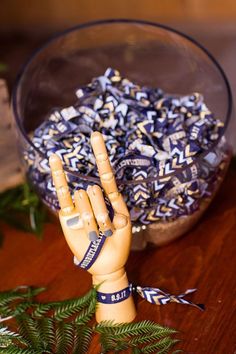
{"type": "Point", "coordinates": [111, 344]}
{"type": "Point", "coordinates": [142, 339]}
{"type": "Point", "coordinates": [28, 328]}
{"type": "Point", "coordinates": [9, 298]}
{"type": "Point", "coordinates": [132, 329]}
{"type": "Point", "coordinates": [16, 350]}
{"type": "Point", "coordinates": [64, 327]}
{"type": "Point", "coordinates": [162, 346]}
{"type": "Point", "coordinates": [69, 307]}
{"type": "Point", "coordinates": [5, 311]}
{"type": "Point", "coordinates": [82, 340]}
{"type": "Point", "coordinates": [14, 310]}
{"type": "Point", "coordinates": [21, 308]}
{"type": "Point", "coordinates": [87, 313]}
{"type": "Point", "coordinates": [64, 337]}
{"type": "Point", "coordinates": [6, 337]}
{"type": "Point", "coordinates": [115, 337]}
{"type": "Point", "coordinates": [17, 301]}
{"type": "Point", "coordinates": [64, 309]}
{"type": "Point", "coordinates": [40, 310]}
{"type": "Point", "coordinates": [46, 332]}
{"type": "Point", "coordinates": [19, 294]}
{"type": "Point", "coordinates": [107, 344]}
{"type": "Point", "coordinates": [120, 346]}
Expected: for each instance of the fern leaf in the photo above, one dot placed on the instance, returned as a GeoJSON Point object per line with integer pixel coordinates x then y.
{"type": "Point", "coordinates": [6, 298]}
{"type": "Point", "coordinates": [40, 310]}
{"type": "Point", "coordinates": [5, 311]}
{"type": "Point", "coordinates": [21, 308]}
{"type": "Point", "coordinates": [163, 346]}
{"type": "Point", "coordinates": [111, 344]}
{"type": "Point", "coordinates": [8, 337]}
{"type": "Point", "coordinates": [64, 309]}
{"type": "Point", "coordinates": [70, 307]}
{"type": "Point", "coordinates": [142, 339]}
{"type": "Point", "coordinates": [19, 293]}
{"type": "Point", "coordinates": [29, 330]}
{"type": "Point", "coordinates": [46, 332]}
{"type": "Point", "coordinates": [62, 327]}
{"type": "Point", "coordinates": [82, 339]}
{"type": "Point", "coordinates": [16, 350]}
{"type": "Point", "coordinates": [106, 344]}
{"type": "Point", "coordinates": [64, 337]}
{"type": "Point", "coordinates": [131, 329]}
{"type": "Point", "coordinates": [87, 313]}
{"type": "Point", "coordinates": [14, 311]}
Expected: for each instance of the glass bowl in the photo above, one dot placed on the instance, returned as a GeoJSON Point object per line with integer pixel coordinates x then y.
{"type": "Point", "coordinates": [151, 55]}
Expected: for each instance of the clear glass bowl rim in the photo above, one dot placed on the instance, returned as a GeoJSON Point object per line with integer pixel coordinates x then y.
{"type": "Point", "coordinates": [117, 21]}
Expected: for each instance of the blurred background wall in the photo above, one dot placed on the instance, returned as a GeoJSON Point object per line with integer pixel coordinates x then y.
{"type": "Point", "coordinates": [27, 24]}
{"type": "Point", "coordinates": [56, 14]}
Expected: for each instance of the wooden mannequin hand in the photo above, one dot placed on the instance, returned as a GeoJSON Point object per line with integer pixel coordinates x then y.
{"type": "Point", "coordinates": [82, 219]}
{"type": "Point", "coordinates": [80, 222]}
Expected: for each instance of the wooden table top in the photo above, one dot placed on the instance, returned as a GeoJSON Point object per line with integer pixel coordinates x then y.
{"type": "Point", "coordinates": [205, 258]}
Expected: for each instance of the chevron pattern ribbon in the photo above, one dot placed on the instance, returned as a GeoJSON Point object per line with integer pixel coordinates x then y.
{"type": "Point", "coordinates": [159, 297]}
{"type": "Point", "coordinates": [149, 135]}
{"type": "Point", "coordinates": [153, 295]}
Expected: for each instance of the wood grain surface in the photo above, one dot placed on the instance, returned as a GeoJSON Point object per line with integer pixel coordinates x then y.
{"type": "Point", "coordinates": [205, 258]}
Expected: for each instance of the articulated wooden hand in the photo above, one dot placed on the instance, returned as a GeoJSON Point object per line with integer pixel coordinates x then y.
{"type": "Point", "coordinates": [81, 221]}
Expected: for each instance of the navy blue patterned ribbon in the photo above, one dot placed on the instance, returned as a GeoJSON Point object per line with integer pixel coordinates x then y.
{"type": "Point", "coordinates": [159, 297]}
{"type": "Point", "coordinates": [91, 254]}
{"type": "Point", "coordinates": [149, 134]}
{"type": "Point", "coordinates": [114, 298]}
{"type": "Point", "coordinates": [94, 247]}
{"type": "Point", "coordinates": [153, 295]}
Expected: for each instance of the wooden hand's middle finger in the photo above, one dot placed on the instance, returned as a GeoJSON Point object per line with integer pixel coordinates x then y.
{"type": "Point", "coordinates": [106, 174]}
{"type": "Point", "coordinates": [84, 207]}
{"type": "Point", "coordinates": [100, 210]}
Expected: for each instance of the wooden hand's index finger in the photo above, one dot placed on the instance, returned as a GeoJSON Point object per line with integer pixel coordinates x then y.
{"type": "Point", "coordinates": [61, 185]}
{"type": "Point", "coordinates": [106, 174]}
